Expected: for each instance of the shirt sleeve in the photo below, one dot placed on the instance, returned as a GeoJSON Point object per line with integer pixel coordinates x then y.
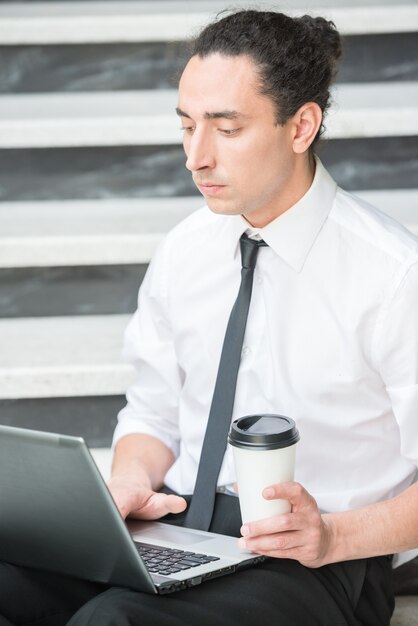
{"type": "Point", "coordinates": [152, 399]}
{"type": "Point", "coordinates": [397, 349]}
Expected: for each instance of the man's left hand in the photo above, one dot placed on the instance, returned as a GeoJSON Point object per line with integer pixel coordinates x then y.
{"type": "Point", "coordinates": [303, 534]}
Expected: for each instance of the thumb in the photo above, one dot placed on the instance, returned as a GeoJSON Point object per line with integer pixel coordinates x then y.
{"type": "Point", "coordinates": [175, 504]}
{"type": "Point", "coordinates": [292, 491]}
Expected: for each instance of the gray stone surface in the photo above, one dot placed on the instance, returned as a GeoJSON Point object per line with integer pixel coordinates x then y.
{"type": "Point", "coordinates": [387, 57]}
{"type": "Point", "coordinates": [84, 67]}
{"type": "Point", "coordinates": [34, 292]}
{"type": "Point", "coordinates": [149, 171]}
{"type": "Point", "coordinates": [406, 612]}
{"type": "Point", "coordinates": [93, 418]}
{"type": "Point", "coordinates": [121, 172]}
{"type": "Point", "coordinates": [377, 163]}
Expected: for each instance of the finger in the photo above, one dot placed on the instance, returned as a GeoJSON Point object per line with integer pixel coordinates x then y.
{"type": "Point", "coordinates": [175, 504]}
{"type": "Point", "coordinates": [160, 504]}
{"type": "Point", "coordinates": [298, 553]}
{"type": "Point", "coordinates": [292, 491]}
{"type": "Point", "coordinates": [273, 524]}
{"type": "Point", "coordinates": [273, 543]}
{"type": "Point", "coordinates": [291, 553]}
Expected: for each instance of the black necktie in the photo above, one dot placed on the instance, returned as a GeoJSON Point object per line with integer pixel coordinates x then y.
{"type": "Point", "coordinates": [200, 511]}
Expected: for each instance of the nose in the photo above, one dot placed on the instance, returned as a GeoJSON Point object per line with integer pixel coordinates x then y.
{"type": "Point", "coordinates": [199, 151]}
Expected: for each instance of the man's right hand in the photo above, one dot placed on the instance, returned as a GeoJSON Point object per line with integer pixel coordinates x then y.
{"type": "Point", "coordinates": [137, 500]}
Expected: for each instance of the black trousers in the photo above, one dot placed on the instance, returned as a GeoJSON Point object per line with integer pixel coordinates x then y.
{"type": "Point", "coordinates": [278, 592]}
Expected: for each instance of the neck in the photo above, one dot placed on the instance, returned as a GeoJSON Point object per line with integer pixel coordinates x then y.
{"type": "Point", "coordinates": [297, 184]}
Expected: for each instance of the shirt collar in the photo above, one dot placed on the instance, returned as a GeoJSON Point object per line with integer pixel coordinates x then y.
{"type": "Point", "coordinates": [292, 234]}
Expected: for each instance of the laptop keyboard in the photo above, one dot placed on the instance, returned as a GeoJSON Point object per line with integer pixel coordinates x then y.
{"type": "Point", "coordinates": [165, 561]}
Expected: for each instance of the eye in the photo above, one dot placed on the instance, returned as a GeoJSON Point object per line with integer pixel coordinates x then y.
{"type": "Point", "coordinates": [187, 129]}
{"type": "Point", "coordinates": [228, 132]}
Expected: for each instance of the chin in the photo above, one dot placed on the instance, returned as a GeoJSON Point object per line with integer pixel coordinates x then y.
{"type": "Point", "coordinates": [222, 208]}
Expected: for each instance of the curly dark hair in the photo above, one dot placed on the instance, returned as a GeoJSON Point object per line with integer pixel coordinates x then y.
{"type": "Point", "coordinates": [296, 57]}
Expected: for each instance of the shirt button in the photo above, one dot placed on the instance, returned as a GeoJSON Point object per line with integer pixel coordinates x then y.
{"type": "Point", "coordinates": [246, 350]}
{"type": "Point", "coordinates": [259, 280]}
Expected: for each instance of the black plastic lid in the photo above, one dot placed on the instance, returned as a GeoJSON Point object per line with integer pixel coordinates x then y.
{"type": "Point", "coordinates": [263, 432]}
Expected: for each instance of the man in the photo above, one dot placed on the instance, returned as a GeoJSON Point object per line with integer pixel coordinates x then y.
{"type": "Point", "coordinates": [331, 340]}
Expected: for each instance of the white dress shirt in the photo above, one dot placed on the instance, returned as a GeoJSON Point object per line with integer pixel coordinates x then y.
{"type": "Point", "coordinates": [331, 341]}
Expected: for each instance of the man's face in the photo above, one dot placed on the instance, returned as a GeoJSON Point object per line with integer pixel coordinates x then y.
{"type": "Point", "coordinates": [240, 158]}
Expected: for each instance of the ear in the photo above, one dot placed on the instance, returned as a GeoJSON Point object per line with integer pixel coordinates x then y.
{"type": "Point", "coordinates": [306, 123]}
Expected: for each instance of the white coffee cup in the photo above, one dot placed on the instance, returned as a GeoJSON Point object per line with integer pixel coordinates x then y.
{"type": "Point", "coordinates": [264, 448]}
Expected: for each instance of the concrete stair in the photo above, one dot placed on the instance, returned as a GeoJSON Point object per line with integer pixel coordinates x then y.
{"type": "Point", "coordinates": [148, 117]}
{"type": "Point", "coordinates": [92, 176]}
{"type": "Point", "coordinates": [63, 356]}
{"type": "Point", "coordinates": [406, 611]}
{"type": "Point", "coordinates": [122, 231]}
{"type": "Point", "coordinates": [97, 22]}
{"type": "Point", "coordinates": [88, 232]}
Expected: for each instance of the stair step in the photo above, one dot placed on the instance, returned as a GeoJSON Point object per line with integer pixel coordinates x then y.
{"type": "Point", "coordinates": [89, 119]}
{"type": "Point", "coordinates": [159, 171]}
{"type": "Point", "coordinates": [406, 610]}
{"type": "Point", "coordinates": [92, 417]}
{"type": "Point", "coordinates": [401, 204]}
{"type": "Point", "coordinates": [100, 172]}
{"type": "Point", "coordinates": [135, 66]}
{"type": "Point", "coordinates": [131, 66]}
{"type": "Point", "coordinates": [81, 356]}
{"type": "Point", "coordinates": [92, 22]}
{"type": "Point", "coordinates": [385, 109]}
{"type": "Point", "coordinates": [103, 459]}
{"type": "Point", "coordinates": [87, 232]}
{"type": "Point", "coordinates": [129, 118]}
{"type": "Point", "coordinates": [122, 231]}
{"type": "Point", "coordinates": [63, 356]}
{"type": "Point", "coordinates": [70, 290]}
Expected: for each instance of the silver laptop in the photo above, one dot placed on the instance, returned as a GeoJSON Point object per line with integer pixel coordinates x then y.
{"type": "Point", "coordinates": [57, 514]}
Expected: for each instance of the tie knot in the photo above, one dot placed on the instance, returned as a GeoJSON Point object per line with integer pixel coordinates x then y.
{"type": "Point", "coordinates": [249, 251]}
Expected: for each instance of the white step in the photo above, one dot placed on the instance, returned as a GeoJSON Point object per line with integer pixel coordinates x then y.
{"type": "Point", "coordinates": [89, 119]}
{"type": "Point", "coordinates": [93, 22]}
{"type": "Point", "coordinates": [406, 611]}
{"type": "Point", "coordinates": [401, 204]}
{"type": "Point", "coordinates": [103, 459]}
{"type": "Point", "coordinates": [63, 357]}
{"type": "Point", "coordinates": [122, 231]}
{"type": "Point", "coordinates": [87, 232]}
{"type": "Point", "coordinates": [148, 118]}
{"type": "Point", "coordinates": [388, 109]}
{"type": "Point", "coordinates": [81, 356]}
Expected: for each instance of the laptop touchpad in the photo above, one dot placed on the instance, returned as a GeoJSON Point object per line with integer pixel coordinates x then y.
{"type": "Point", "coordinates": [172, 534]}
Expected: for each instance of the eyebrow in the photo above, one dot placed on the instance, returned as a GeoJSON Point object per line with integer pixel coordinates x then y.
{"type": "Point", "coordinates": [228, 115]}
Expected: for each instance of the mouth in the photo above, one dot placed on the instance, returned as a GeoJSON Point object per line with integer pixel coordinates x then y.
{"type": "Point", "coordinates": [210, 189]}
